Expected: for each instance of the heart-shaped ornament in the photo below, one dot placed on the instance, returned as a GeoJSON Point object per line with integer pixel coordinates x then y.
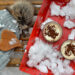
{"type": "Point", "coordinates": [8, 41]}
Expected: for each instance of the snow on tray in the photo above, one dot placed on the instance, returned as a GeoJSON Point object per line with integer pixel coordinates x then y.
{"type": "Point", "coordinates": [68, 10]}
{"type": "Point", "coordinates": [12, 41]}
{"type": "Point", "coordinates": [69, 24]}
{"type": "Point", "coordinates": [55, 9]}
{"type": "Point", "coordinates": [72, 35]}
{"type": "Point", "coordinates": [44, 56]}
{"type": "Point", "coordinates": [43, 24]}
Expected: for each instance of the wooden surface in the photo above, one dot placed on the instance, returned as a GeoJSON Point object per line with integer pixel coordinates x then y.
{"type": "Point", "coordinates": [7, 3]}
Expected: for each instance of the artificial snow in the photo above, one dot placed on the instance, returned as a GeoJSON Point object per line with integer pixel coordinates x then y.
{"type": "Point", "coordinates": [42, 68]}
{"type": "Point", "coordinates": [13, 30]}
{"type": "Point", "coordinates": [12, 41]}
{"type": "Point", "coordinates": [2, 25]}
{"type": "Point", "coordinates": [45, 57]}
{"type": "Point", "coordinates": [72, 35]}
{"type": "Point", "coordinates": [69, 24]}
{"type": "Point", "coordinates": [14, 21]}
{"type": "Point", "coordinates": [44, 23]}
{"type": "Point", "coordinates": [68, 10]}
{"type": "Point", "coordinates": [55, 9]}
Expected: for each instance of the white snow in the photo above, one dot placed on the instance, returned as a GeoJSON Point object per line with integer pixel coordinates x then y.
{"type": "Point", "coordinates": [43, 24]}
{"type": "Point", "coordinates": [14, 21]}
{"type": "Point", "coordinates": [12, 41]}
{"type": "Point", "coordinates": [72, 35]}
{"type": "Point", "coordinates": [13, 30]}
{"type": "Point", "coordinates": [69, 24]}
{"type": "Point", "coordinates": [44, 56]}
{"type": "Point", "coordinates": [55, 9]}
{"type": "Point", "coordinates": [2, 25]}
{"type": "Point", "coordinates": [68, 10]}
{"type": "Point", "coordinates": [42, 68]}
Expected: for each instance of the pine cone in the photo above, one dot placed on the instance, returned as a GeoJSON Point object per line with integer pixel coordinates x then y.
{"type": "Point", "coordinates": [23, 12]}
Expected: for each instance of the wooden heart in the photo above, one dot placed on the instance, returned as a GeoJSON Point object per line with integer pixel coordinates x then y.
{"type": "Point", "coordinates": [8, 40]}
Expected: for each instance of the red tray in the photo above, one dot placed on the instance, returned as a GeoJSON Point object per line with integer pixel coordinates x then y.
{"type": "Point", "coordinates": [44, 13]}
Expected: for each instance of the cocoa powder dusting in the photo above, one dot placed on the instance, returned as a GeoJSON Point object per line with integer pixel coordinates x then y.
{"type": "Point", "coordinates": [51, 32]}
{"type": "Point", "coordinates": [70, 48]}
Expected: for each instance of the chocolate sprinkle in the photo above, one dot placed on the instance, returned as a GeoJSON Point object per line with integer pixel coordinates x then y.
{"type": "Point", "coordinates": [51, 32]}
{"type": "Point", "coordinates": [70, 48]}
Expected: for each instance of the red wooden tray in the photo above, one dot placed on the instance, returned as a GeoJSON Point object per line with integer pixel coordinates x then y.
{"type": "Point", "coordinates": [44, 13]}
